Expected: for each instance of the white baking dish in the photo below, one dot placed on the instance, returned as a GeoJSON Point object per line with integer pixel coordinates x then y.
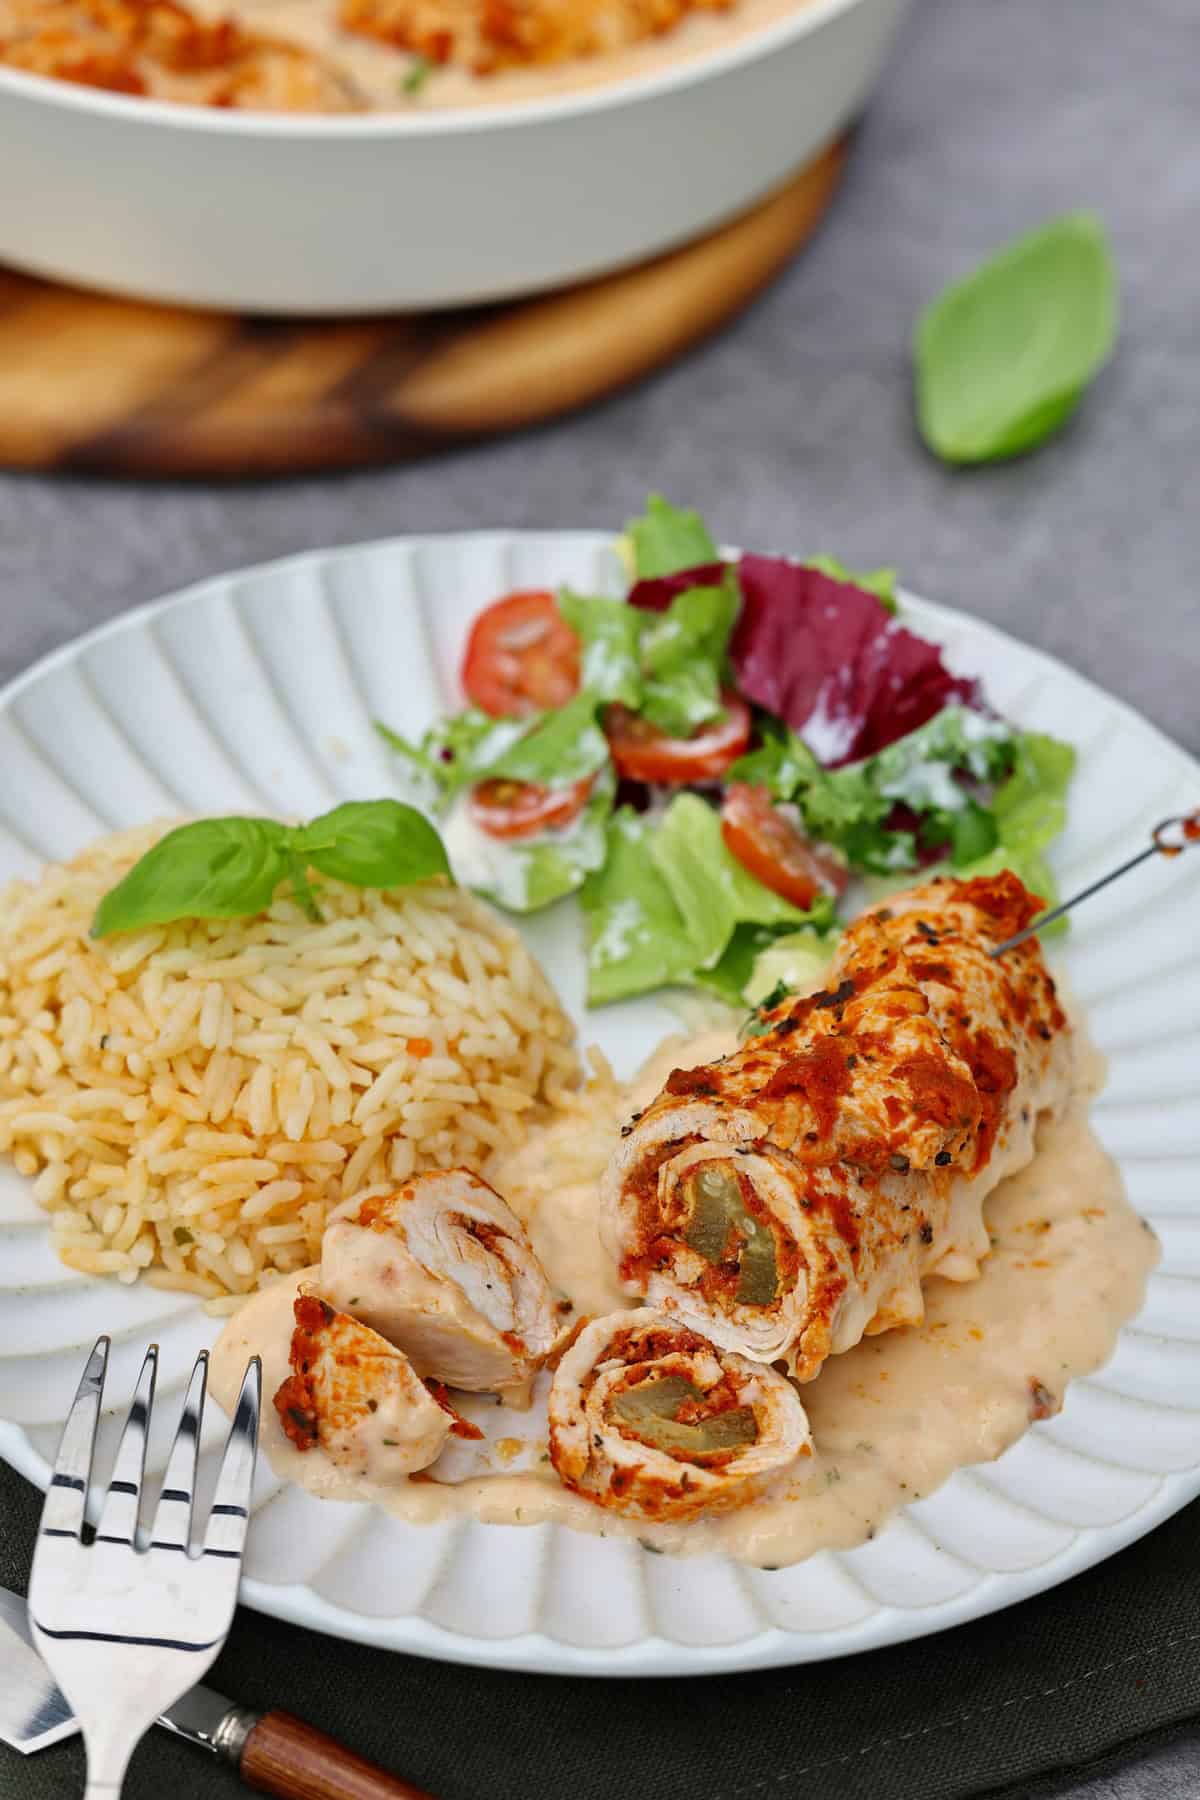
{"type": "Point", "coordinates": [303, 214]}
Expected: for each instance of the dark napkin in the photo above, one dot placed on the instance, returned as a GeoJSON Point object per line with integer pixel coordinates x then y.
{"type": "Point", "coordinates": [1102, 1663]}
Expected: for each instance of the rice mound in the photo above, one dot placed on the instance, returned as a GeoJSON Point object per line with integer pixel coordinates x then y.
{"type": "Point", "coordinates": [193, 1099]}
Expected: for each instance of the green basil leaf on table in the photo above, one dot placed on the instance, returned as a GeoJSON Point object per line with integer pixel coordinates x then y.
{"type": "Point", "coordinates": [212, 869]}
{"type": "Point", "coordinates": [1003, 356]}
{"type": "Point", "coordinates": [372, 843]}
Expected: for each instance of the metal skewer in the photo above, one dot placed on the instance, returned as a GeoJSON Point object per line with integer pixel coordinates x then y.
{"type": "Point", "coordinates": [1170, 838]}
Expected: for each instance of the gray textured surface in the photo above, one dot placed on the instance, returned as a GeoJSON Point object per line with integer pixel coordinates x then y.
{"type": "Point", "coordinates": [1172, 1773]}
{"type": "Point", "coordinates": [794, 429]}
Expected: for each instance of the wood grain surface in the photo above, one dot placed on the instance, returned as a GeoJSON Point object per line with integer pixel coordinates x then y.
{"type": "Point", "coordinates": [286, 1757]}
{"type": "Point", "coordinates": [99, 385]}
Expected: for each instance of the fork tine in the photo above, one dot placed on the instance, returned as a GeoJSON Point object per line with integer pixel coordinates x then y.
{"type": "Point", "coordinates": [66, 1497]}
{"type": "Point", "coordinates": [230, 1515]}
{"type": "Point", "coordinates": [172, 1527]}
{"type": "Point", "coordinates": [119, 1515]}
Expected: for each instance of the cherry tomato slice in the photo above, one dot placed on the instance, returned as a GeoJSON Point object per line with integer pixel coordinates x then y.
{"type": "Point", "coordinates": [521, 657]}
{"type": "Point", "coordinates": [772, 849]}
{"type": "Point", "coordinates": [521, 809]}
{"type": "Point", "coordinates": [642, 752]}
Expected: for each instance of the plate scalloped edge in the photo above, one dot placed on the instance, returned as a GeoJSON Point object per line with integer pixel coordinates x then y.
{"type": "Point", "coordinates": [257, 688]}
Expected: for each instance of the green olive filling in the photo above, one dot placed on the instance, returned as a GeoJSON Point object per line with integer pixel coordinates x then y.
{"type": "Point", "coordinates": [717, 1208]}
{"type": "Point", "coordinates": [649, 1411]}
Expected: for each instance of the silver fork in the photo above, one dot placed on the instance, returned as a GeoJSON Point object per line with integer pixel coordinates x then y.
{"type": "Point", "coordinates": [126, 1629]}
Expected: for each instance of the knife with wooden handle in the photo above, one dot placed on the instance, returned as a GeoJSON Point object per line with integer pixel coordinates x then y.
{"type": "Point", "coordinates": [273, 1752]}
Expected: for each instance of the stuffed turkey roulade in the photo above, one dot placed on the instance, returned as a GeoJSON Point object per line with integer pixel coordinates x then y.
{"type": "Point", "coordinates": [650, 1419]}
{"type": "Point", "coordinates": [444, 1269]}
{"type": "Point", "coordinates": [355, 1396]}
{"type": "Point", "coordinates": [792, 1196]}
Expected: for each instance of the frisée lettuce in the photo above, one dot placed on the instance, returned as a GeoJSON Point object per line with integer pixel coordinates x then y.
{"type": "Point", "coordinates": [555, 749]}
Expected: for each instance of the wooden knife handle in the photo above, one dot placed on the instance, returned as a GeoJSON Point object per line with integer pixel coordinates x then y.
{"type": "Point", "coordinates": [285, 1756]}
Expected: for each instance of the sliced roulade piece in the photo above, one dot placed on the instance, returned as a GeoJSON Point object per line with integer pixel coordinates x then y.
{"type": "Point", "coordinates": [356, 1397]}
{"type": "Point", "coordinates": [444, 1269]}
{"type": "Point", "coordinates": [792, 1196]}
{"type": "Point", "coordinates": [650, 1419]}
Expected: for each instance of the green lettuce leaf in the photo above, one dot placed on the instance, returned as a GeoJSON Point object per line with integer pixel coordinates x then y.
{"type": "Point", "coordinates": [1031, 805]}
{"type": "Point", "coordinates": [671, 907]}
{"type": "Point", "coordinates": [847, 806]}
{"type": "Point", "coordinates": [729, 976]}
{"type": "Point", "coordinates": [560, 749]}
{"type": "Point", "coordinates": [712, 890]}
{"type": "Point", "coordinates": [783, 763]}
{"type": "Point", "coordinates": [918, 769]}
{"type": "Point", "coordinates": [667, 538]}
{"type": "Point", "coordinates": [761, 960]}
{"type": "Point", "coordinates": [971, 831]}
{"type": "Point", "coordinates": [667, 665]}
{"type": "Point", "coordinates": [841, 806]}
{"type": "Point", "coordinates": [1029, 810]}
{"type": "Point", "coordinates": [880, 582]}
{"type": "Point", "coordinates": [636, 935]}
{"type": "Point", "coordinates": [683, 656]}
{"type": "Point", "coordinates": [794, 962]}
{"type": "Point", "coordinates": [609, 633]}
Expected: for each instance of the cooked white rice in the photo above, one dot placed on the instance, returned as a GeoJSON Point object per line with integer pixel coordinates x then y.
{"type": "Point", "coordinates": [193, 1099]}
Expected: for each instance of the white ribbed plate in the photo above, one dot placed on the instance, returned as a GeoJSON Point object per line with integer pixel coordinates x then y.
{"type": "Point", "coordinates": [256, 691]}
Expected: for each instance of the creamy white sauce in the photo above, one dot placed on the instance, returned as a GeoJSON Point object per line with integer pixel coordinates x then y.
{"type": "Point", "coordinates": [891, 1419]}
{"type": "Point", "coordinates": [377, 73]}
{"type": "Point", "coordinates": [487, 864]}
{"type": "Point", "coordinates": [503, 869]}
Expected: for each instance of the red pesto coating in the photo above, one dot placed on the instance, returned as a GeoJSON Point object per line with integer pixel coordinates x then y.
{"type": "Point", "coordinates": [848, 1053]}
{"type": "Point", "coordinates": [294, 1399]}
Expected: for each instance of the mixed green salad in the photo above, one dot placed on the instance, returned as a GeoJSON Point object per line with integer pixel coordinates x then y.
{"type": "Point", "coordinates": [711, 760]}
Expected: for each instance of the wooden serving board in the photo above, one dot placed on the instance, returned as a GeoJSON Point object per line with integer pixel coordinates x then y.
{"type": "Point", "coordinates": [115, 387]}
